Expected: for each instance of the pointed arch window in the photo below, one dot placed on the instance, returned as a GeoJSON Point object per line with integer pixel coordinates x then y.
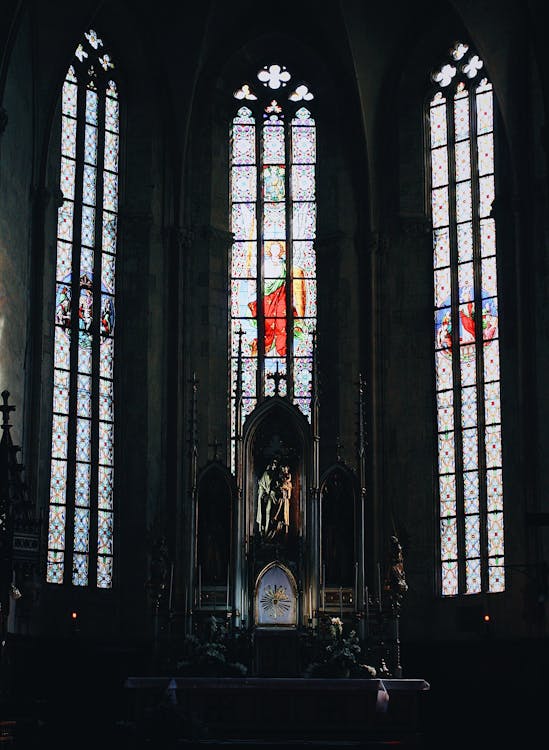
{"type": "Point", "coordinates": [272, 266]}
{"type": "Point", "coordinates": [467, 355]}
{"type": "Point", "coordinates": [80, 528]}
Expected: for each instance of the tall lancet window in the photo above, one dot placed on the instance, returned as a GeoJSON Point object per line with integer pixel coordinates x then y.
{"type": "Point", "coordinates": [467, 358]}
{"type": "Point", "coordinates": [273, 218]}
{"type": "Point", "coordinates": [80, 531]}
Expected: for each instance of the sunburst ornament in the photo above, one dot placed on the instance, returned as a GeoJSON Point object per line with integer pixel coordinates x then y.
{"type": "Point", "coordinates": [275, 601]}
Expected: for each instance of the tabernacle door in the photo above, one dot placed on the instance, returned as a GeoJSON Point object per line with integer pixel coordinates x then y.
{"type": "Point", "coordinates": [275, 598]}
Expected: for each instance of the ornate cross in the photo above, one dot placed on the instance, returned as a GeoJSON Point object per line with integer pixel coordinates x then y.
{"type": "Point", "coordinates": [6, 408]}
{"type": "Point", "coordinates": [277, 377]}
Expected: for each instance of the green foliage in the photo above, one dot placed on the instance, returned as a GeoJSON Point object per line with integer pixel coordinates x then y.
{"type": "Point", "coordinates": [208, 654]}
{"type": "Point", "coordinates": [336, 654]}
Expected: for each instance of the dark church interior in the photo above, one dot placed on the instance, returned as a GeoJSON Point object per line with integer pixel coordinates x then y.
{"type": "Point", "coordinates": [250, 496]}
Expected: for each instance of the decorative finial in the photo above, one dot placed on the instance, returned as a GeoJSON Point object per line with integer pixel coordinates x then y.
{"type": "Point", "coordinates": [277, 377]}
{"type": "Point", "coordinates": [5, 409]}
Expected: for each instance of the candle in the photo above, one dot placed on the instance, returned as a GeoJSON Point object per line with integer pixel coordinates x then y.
{"type": "Point", "coordinates": [379, 585]}
{"type": "Point", "coordinates": [171, 589]}
{"type": "Point", "coordinates": [340, 602]}
{"type": "Point", "coordinates": [310, 603]}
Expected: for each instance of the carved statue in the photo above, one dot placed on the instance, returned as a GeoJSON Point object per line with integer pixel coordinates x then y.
{"type": "Point", "coordinates": [273, 501]}
{"type": "Point", "coordinates": [397, 580]}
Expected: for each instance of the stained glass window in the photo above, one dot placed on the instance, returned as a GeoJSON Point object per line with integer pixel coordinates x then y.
{"type": "Point", "coordinates": [466, 327]}
{"type": "Point", "coordinates": [80, 530]}
{"type": "Point", "coordinates": [273, 219]}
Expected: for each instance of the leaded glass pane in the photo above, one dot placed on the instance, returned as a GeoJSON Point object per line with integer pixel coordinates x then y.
{"type": "Point", "coordinates": [461, 118]}
{"type": "Point", "coordinates": [443, 370]}
{"type": "Point", "coordinates": [486, 191]}
{"type": "Point", "coordinates": [106, 359]}
{"type": "Point", "coordinates": [104, 572]}
{"type": "Point", "coordinates": [60, 425]}
{"type": "Point", "coordinates": [104, 533]}
{"type": "Point", "coordinates": [439, 205]}
{"type": "Point", "coordinates": [449, 572]}
{"type": "Point", "coordinates": [463, 201]}
{"type": "Point", "coordinates": [463, 161]}
{"type": "Point", "coordinates": [70, 92]}
{"type": "Point", "coordinates": [91, 107]}
{"type": "Point", "coordinates": [447, 491]}
{"type": "Point", "coordinates": [61, 391]}
{"type": "Point", "coordinates": [82, 484]}
{"type": "Point", "coordinates": [58, 482]}
{"type": "Point", "coordinates": [445, 411]}
{"type": "Point", "coordinates": [470, 448]}
{"type": "Point", "coordinates": [106, 443]}
{"type": "Point", "coordinates": [111, 151]}
{"type": "Point", "coordinates": [304, 221]}
{"type": "Point", "coordinates": [485, 146]}
{"type": "Point", "coordinates": [465, 241]}
{"type": "Point", "coordinates": [438, 125]}
{"type": "Point", "coordinates": [469, 407]}
{"type": "Point", "coordinates": [495, 534]}
{"type": "Point", "coordinates": [471, 492]}
{"type": "Point", "coordinates": [244, 183]}
{"type": "Point", "coordinates": [491, 361]}
{"type": "Point", "coordinates": [80, 569]}
{"type": "Point", "coordinates": [491, 403]}
{"type": "Point", "coordinates": [493, 446]}
{"type": "Point", "coordinates": [303, 182]}
{"type": "Point", "coordinates": [274, 221]}
{"type": "Point", "coordinates": [55, 567]}
{"type": "Point", "coordinates": [472, 576]}
{"type": "Point", "coordinates": [472, 536]}
{"type": "Point", "coordinates": [81, 529]}
{"type": "Point", "coordinates": [448, 536]}
{"type": "Point", "coordinates": [489, 276]}
{"type": "Point", "coordinates": [243, 144]}
{"type": "Point", "coordinates": [273, 145]}
{"type": "Point", "coordinates": [446, 462]}
{"type": "Point", "coordinates": [109, 232]}
{"type": "Point", "coordinates": [62, 347]}
{"type": "Point", "coordinates": [494, 489]}
{"type": "Point", "coordinates": [68, 171]}
{"type": "Point", "coordinates": [439, 167]}
{"type": "Point", "coordinates": [244, 224]}
{"type": "Point", "coordinates": [56, 527]}
{"type": "Point", "coordinates": [90, 145]}
{"type": "Point", "coordinates": [484, 112]}
{"type": "Point", "coordinates": [441, 245]}
{"type": "Point", "coordinates": [106, 483]}
{"type": "Point", "coordinates": [496, 575]}
{"type": "Point", "coordinates": [303, 145]}
{"type": "Point", "coordinates": [442, 287]}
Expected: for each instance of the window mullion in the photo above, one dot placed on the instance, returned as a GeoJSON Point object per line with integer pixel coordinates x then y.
{"type": "Point", "coordinates": [456, 358]}
{"type": "Point", "coordinates": [74, 329]}
{"type": "Point", "coordinates": [289, 206]}
{"type": "Point", "coordinates": [479, 348]}
{"type": "Point", "coordinates": [260, 286]}
{"type": "Point", "coordinates": [96, 338]}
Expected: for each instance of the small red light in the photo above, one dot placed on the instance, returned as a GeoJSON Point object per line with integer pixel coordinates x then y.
{"type": "Point", "coordinates": [486, 618]}
{"type": "Point", "coordinates": [74, 615]}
